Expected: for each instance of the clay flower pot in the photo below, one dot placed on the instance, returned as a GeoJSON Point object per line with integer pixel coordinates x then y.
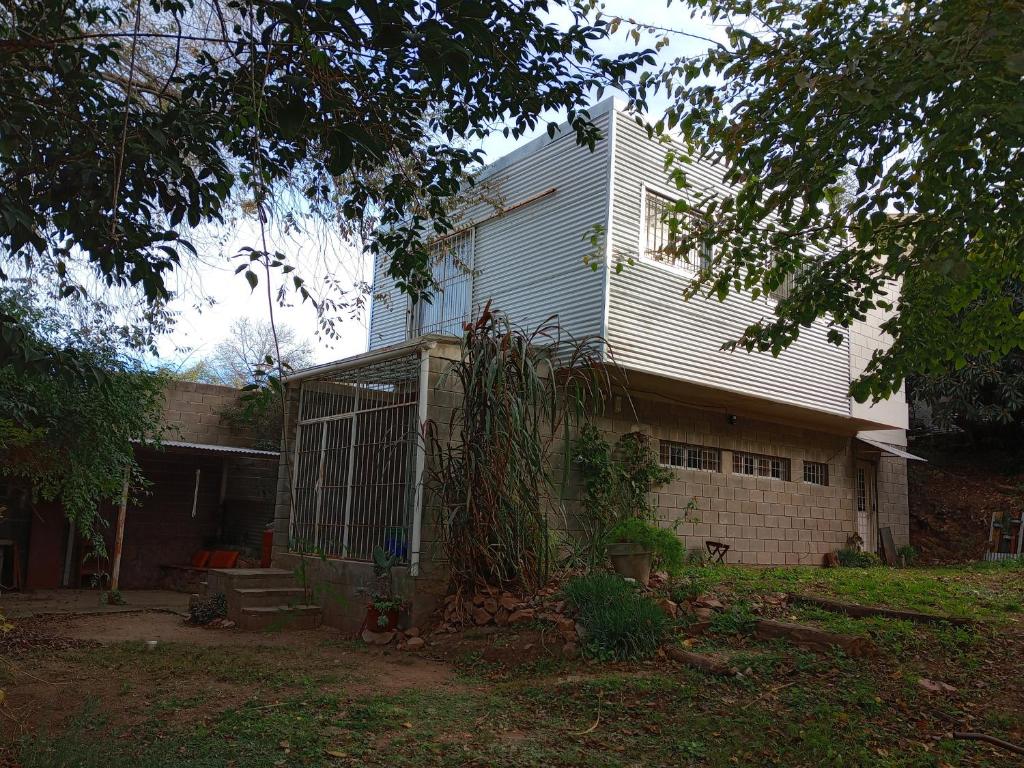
{"type": "Point", "coordinates": [631, 561]}
{"type": "Point", "coordinates": [373, 619]}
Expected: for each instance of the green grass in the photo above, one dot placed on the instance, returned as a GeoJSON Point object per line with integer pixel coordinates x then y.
{"type": "Point", "coordinates": [985, 591]}
{"type": "Point", "coordinates": [589, 724]}
{"type": "Point", "coordinates": [659, 716]}
{"type": "Point", "coordinates": [287, 707]}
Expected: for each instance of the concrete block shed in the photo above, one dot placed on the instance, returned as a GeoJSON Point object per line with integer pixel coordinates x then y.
{"type": "Point", "coordinates": [209, 486]}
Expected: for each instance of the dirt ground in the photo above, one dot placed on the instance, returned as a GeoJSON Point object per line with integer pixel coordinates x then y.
{"type": "Point", "coordinates": [47, 692]}
{"type": "Point", "coordinates": [80, 601]}
{"type": "Point", "coordinates": [951, 508]}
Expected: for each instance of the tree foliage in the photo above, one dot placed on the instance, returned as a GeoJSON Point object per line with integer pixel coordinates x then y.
{"type": "Point", "coordinates": [922, 102]}
{"type": "Point", "coordinates": [984, 398]}
{"type": "Point", "coordinates": [125, 126]}
{"type": "Point", "coordinates": [69, 437]}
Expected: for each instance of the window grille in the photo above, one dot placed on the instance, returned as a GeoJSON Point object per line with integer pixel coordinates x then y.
{"type": "Point", "coordinates": [354, 482]}
{"type": "Point", "coordinates": [660, 245]}
{"type": "Point", "coordinates": [446, 309]}
{"type": "Point", "coordinates": [689, 456]}
{"type": "Point", "coordinates": [862, 490]}
{"type": "Point", "coordinates": [789, 283]}
{"type": "Point", "coordinates": [816, 472]}
{"type": "Point", "coordinates": [786, 288]}
{"type": "Point", "coordinates": [759, 465]}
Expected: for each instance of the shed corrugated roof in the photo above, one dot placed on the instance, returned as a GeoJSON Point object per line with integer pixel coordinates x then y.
{"type": "Point", "coordinates": [211, 448]}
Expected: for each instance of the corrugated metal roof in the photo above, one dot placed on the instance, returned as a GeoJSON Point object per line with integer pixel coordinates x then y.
{"type": "Point", "coordinates": [210, 448]}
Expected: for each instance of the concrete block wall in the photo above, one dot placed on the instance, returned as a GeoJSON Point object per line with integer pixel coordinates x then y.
{"type": "Point", "coordinates": [765, 521]}
{"type": "Point", "coordinates": [193, 414]}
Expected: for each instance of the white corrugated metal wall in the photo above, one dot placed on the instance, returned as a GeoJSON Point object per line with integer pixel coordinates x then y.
{"type": "Point", "coordinates": [389, 309]}
{"type": "Point", "coordinates": [528, 260]}
{"type": "Point", "coordinates": [651, 328]}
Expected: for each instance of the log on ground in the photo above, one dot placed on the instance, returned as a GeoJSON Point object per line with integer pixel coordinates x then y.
{"type": "Point", "coordinates": [814, 638]}
{"type": "Point", "coordinates": [699, 661]}
{"type": "Point", "coordinates": [866, 611]}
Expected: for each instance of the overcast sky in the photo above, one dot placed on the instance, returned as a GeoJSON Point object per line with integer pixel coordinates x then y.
{"type": "Point", "coordinates": [211, 296]}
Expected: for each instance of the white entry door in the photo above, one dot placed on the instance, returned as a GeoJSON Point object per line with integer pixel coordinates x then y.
{"type": "Point", "coordinates": [867, 505]}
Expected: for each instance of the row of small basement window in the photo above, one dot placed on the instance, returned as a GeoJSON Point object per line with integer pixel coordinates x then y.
{"type": "Point", "coordinates": [755, 464]}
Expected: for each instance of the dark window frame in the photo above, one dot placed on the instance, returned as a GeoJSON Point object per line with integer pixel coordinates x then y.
{"type": "Point", "coordinates": [762, 465]}
{"type": "Point", "coordinates": [672, 453]}
{"type": "Point", "coordinates": [816, 473]}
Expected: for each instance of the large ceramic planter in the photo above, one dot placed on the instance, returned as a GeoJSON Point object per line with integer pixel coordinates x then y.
{"type": "Point", "coordinates": [631, 561]}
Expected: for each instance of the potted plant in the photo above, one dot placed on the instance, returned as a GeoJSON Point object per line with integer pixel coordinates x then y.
{"type": "Point", "coordinates": [384, 608]}
{"type": "Point", "coordinates": [383, 612]}
{"type": "Point", "coordinates": [636, 544]}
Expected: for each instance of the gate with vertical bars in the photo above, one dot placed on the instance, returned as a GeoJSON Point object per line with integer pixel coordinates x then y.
{"type": "Point", "coordinates": [355, 463]}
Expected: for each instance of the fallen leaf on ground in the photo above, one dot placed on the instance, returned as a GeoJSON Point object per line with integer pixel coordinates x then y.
{"type": "Point", "coordinates": [935, 686]}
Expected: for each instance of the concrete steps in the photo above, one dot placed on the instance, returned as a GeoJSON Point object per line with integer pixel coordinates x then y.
{"type": "Point", "coordinates": [260, 597]}
{"type": "Point", "coordinates": [263, 598]}
{"type": "Point", "coordinates": [279, 617]}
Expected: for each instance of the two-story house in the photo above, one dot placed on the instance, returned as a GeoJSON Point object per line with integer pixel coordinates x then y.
{"type": "Point", "coordinates": [779, 462]}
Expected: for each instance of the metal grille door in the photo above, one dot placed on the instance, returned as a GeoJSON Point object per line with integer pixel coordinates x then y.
{"type": "Point", "coordinates": [355, 460]}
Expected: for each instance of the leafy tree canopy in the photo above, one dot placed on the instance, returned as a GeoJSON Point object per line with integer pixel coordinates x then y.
{"type": "Point", "coordinates": [983, 398]}
{"type": "Point", "coordinates": [125, 126]}
{"type": "Point", "coordinates": [923, 102]}
{"type": "Point", "coordinates": [68, 438]}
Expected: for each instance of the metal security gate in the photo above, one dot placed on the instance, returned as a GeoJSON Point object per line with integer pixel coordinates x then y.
{"type": "Point", "coordinates": [357, 461]}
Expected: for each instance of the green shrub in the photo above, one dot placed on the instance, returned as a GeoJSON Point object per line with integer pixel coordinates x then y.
{"type": "Point", "coordinates": [908, 554]}
{"type": "Point", "coordinates": [206, 609]}
{"type": "Point", "coordinates": [619, 622]}
{"type": "Point", "coordinates": [856, 558]}
{"type": "Point", "coordinates": [666, 547]}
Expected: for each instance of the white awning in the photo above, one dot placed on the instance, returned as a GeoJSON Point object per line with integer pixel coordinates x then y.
{"type": "Point", "coordinates": [894, 450]}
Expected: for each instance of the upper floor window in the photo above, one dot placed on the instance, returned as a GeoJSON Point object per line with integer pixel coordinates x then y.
{"type": "Point", "coordinates": [816, 472]}
{"type": "Point", "coordinates": [447, 307]}
{"type": "Point", "coordinates": [786, 288]}
{"type": "Point", "coordinates": [662, 244]}
{"type": "Point", "coordinates": [760, 466]}
{"type": "Point", "coordinates": [689, 456]}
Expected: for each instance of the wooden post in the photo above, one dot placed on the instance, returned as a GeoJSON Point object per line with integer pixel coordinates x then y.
{"type": "Point", "coordinates": [115, 571]}
{"type": "Point", "coordinates": [68, 553]}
